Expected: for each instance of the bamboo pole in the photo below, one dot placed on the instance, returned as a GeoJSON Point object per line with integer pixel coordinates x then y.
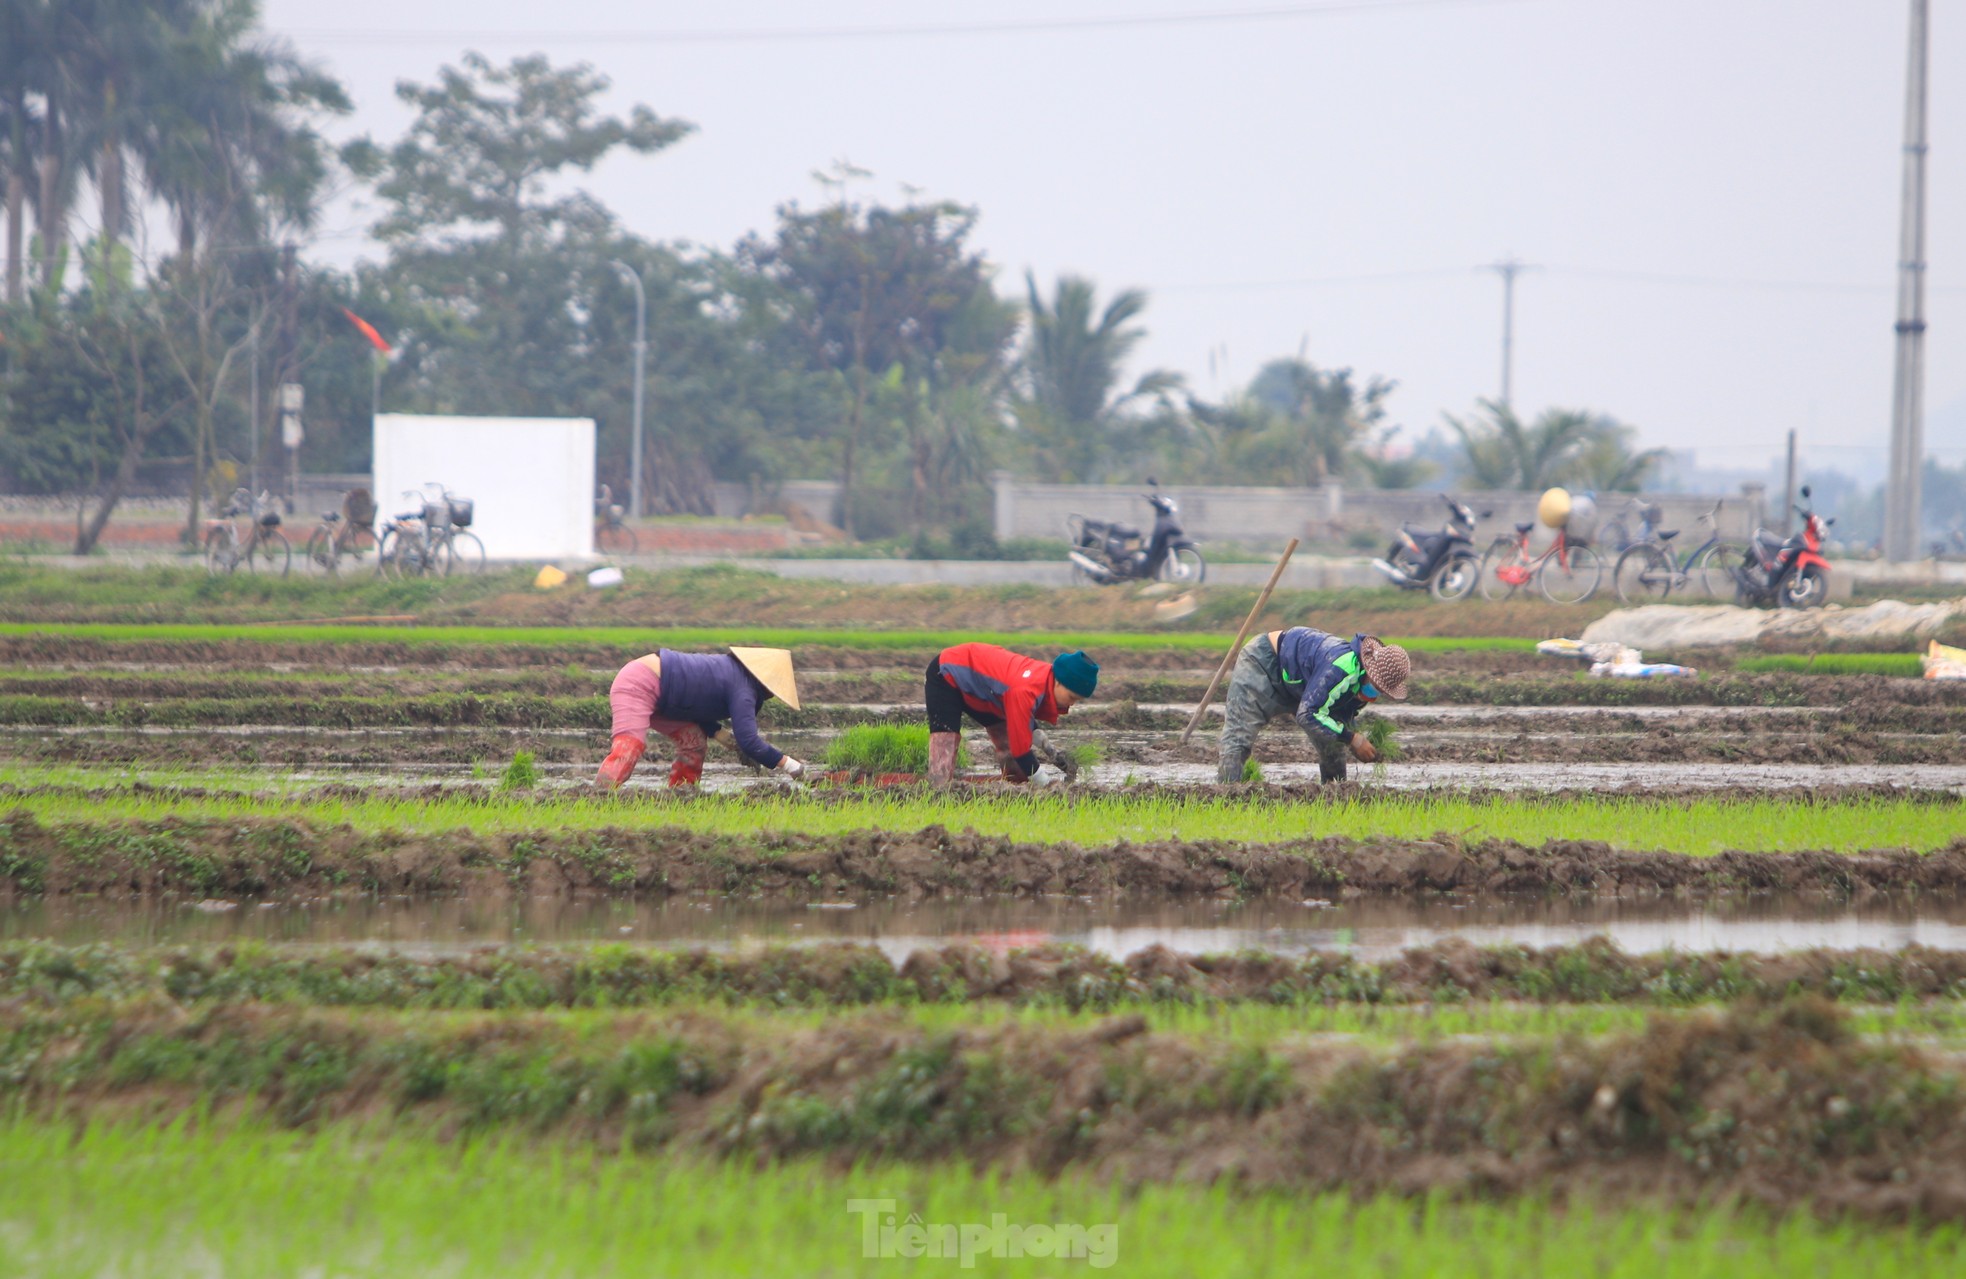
{"type": "Point", "coordinates": [1247, 622]}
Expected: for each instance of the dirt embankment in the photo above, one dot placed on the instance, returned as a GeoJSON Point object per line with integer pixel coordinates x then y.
{"type": "Point", "coordinates": [845, 975]}
{"type": "Point", "coordinates": [259, 857]}
{"type": "Point", "coordinates": [1782, 1107]}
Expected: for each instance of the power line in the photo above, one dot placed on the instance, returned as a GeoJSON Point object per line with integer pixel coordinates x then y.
{"type": "Point", "coordinates": [793, 35]}
{"type": "Point", "coordinates": [1312, 282]}
{"type": "Point", "coordinates": [1563, 272]}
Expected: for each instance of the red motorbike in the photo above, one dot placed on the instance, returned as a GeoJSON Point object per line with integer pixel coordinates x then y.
{"type": "Point", "coordinates": [1791, 573]}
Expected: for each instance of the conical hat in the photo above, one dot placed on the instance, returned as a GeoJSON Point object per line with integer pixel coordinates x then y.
{"type": "Point", "coordinates": [773, 668]}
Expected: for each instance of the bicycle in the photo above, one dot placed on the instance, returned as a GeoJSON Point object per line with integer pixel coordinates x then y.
{"type": "Point", "coordinates": [430, 541]}
{"type": "Point", "coordinates": [347, 533]}
{"type": "Point", "coordinates": [612, 533]}
{"type": "Point", "coordinates": [1613, 537]}
{"type": "Point", "coordinates": [1648, 571]}
{"type": "Point", "coordinates": [1567, 573]}
{"type": "Point", "coordinates": [264, 548]}
{"type": "Point", "coordinates": [462, 549]}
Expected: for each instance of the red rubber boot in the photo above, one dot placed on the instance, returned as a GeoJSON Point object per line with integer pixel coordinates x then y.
{"type": "Point", "coordinates": [621, 761]}
{"type": "Point", "coordinates": [688, 768]}
{"type": "Point", "coordinates": [942, 757]}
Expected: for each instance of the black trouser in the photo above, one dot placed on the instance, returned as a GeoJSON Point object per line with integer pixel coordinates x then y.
{"type": "Point", "coordinates": [946, 706]}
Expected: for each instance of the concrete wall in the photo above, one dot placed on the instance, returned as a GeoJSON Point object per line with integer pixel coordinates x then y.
{"type": "Point", "coordinates": [1264, 517]}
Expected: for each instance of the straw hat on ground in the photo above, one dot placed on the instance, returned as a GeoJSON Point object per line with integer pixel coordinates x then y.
{"type": "Point", "coordinates": [771, 667]}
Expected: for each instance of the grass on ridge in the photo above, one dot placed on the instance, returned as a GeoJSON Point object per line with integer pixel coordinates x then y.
{"type": "Point", "coordinates": [1899, 664]}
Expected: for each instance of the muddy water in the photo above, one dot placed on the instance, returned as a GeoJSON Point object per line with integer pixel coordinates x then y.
{"type": "Point", "coordinates": [1369, 928]}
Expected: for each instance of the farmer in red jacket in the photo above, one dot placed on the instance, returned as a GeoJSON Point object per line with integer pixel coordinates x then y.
{"type": "Point", "coordinates": [1007, 693]}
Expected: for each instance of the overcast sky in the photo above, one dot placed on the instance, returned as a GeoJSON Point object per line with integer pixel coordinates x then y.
{"type": "Point", "coordinates": [1710, 187]}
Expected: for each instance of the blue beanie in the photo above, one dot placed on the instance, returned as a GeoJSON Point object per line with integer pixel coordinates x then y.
{"type": "Point", "coordinates": [1077, 672]}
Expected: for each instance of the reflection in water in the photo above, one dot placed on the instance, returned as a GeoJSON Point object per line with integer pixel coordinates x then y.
{"type": "Point", "coordinates": [1372, 928]}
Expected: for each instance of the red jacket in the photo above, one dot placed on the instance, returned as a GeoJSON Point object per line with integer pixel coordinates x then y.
{"type": "Point", "coordinates": [996, 681]}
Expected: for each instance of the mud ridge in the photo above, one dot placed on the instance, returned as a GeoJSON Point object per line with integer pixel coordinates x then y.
{"type": "Point", "coordinates": [256, 857]}
{"type": "Point", "coordinates": [847, 974]}
{"type": "Point", "coordinates": [1782, 1107]}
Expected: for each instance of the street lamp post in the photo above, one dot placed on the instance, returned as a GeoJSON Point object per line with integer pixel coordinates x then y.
{"type": "Point", "coordinates": [641, 357]}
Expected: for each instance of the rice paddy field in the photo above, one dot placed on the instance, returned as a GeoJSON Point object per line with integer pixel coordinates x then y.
{"type": "Point", "coordinates": [319, 954]}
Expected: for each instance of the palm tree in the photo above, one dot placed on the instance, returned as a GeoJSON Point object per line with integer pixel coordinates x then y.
{"type": "Point", "coordinates": [1071, 372]}
{"type": "Point", "coordinates": [1563, 446]}
{"type": "Point", "coordinates": [226, 140]}
{"type": "Point", "coordinates": [20, 21]}
{"type": "Point", "coordinates": [1503, 453]}
{"type": "Point", "coordinates": [1320, 418]}
{"type": "Point", "coordinates": [1608, 463]}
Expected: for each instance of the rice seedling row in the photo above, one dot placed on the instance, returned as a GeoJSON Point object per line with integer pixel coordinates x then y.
{"type": "Point", "coordinates": [128, 1197]}
{"type": "Point", "coordinates": [1610, 1111]}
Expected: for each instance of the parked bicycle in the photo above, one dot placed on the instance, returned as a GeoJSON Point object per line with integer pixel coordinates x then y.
{"type": "Point", "coordinates": [347, 534]}
{"type": "Point", "coordinates": [1617, 536]}
{"type": "Point", "coordinates": [612, 533]}
{"type": "Point", "coordinates": [1567, 573]}
{"type": "Point", "coordinates": [1648, 572]}
{"type": "Point", "coordinates": [264, 549]}
{"type": "Point", "coordinates": [432, 540]}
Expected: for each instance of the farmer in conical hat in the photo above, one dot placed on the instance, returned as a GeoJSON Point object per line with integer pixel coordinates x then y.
{"type": "Point", "coordinates": [1322, 681]}
{"type": "Point", "coordinates": [1008, 694]}
{"type": "Point", "coordinates": [686, 697]}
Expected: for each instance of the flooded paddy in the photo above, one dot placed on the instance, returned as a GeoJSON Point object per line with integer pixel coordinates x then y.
{"type": "Point", "coordinates": [1372, 928]}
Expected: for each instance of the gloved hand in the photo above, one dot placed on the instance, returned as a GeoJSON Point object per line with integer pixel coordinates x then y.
{"type": "Point", "coordinates": [1061, 760]}
{"type": "Point", "coordinates": [792, 768]}
{"type": "Point", "coordinates": [1362, 750]}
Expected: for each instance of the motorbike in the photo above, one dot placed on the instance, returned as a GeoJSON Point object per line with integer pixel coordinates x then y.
{"type": "Point", "coordinates": [1106, 552]}
{"type": "Point", "coordinates": [1441, 560]}
{"type": "Point", "coordinates": [1789, 572]}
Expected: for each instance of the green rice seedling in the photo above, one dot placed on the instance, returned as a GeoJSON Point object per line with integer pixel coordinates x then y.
{"type": "Point", "coordinates": [124, 1198]}
{"type": "Point", "coordinates": [1905, 665]}
{"type": "Point", "coordinates": [885, 748]}
{"type": "Point", "coordinates": [1382, 734]}
{"type": "Point", "coordinates": [521, 774]}
{"type": "Point", "coordinates": [1757, 823]}
{"type": "Point", "coordinates": [1086, 754]}
{"type": "Point", "coordinates": [1252, 770]}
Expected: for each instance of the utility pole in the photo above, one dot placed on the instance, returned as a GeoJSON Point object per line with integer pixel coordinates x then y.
{"type": "Point", "coordinates": [255, 408]}
{"type": "Point", "coordinates": [1902, 499]}
{"type": "Point", "coordinates": [1508, 268]}
{"type": "Point", "coordinates": [1788, 487]}
{"type": "Point", "coordinates": [289, 364]}
{"type": "Point", "coordinates": [641, 357]}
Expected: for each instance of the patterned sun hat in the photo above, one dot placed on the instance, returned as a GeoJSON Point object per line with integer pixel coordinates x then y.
{"type": "Point", "coordinates": [1386, 666]}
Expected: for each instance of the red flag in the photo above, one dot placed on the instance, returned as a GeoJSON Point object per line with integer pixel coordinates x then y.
{"type": "Point", "coordinates": [368, 331]}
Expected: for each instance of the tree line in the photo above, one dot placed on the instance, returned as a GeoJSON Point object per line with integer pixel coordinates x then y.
{"type": "Point", "coordinates": [866, 341]}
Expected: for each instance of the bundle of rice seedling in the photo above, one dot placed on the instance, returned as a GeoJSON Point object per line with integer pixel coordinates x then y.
{"type": "Point", "coordinates": [884, 748]}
